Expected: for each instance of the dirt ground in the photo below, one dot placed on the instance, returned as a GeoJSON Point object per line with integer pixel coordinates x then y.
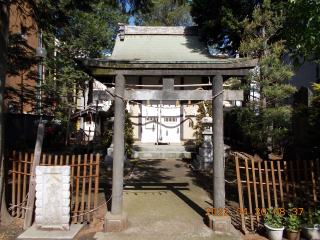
{"type": "Point", "coordinates": [203, 179]}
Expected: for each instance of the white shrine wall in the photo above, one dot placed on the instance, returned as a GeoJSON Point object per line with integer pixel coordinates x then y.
{"type": "Point", "coordinates": [171, 133]}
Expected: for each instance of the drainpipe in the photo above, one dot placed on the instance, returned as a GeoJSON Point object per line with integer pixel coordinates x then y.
{"type": "Point", "coordinates": [41, 53]}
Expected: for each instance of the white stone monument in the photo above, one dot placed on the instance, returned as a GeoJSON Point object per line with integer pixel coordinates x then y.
{"type": "Point", "coordinates": [52, 198]}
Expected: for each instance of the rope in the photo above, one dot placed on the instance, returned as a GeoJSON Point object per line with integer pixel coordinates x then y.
{"type": "Point", "coordinates": [134, 102]}
{"type": "Point", "coordinates": [14, 206]}
{"type": "Point", "coordinates": [232, 181]}
{"type": "Point", "coordinates": [143, 124]}
{"type": "Point", "coordinates": [92, 209]}
{"type": "Point", "coordinates": [217, 95]}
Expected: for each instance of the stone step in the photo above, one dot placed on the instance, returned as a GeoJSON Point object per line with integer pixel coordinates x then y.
{"type": "Point", "coordinates": [162, 154]}
{"type": "Point", "coordinates": [152, 148]}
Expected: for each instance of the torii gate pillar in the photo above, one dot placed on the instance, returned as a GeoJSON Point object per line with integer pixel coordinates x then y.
{"type": "Point", "coordinates": [116, 219]}
{"type": "Point", "coordinates": [218, 223]}
{"type": "Point", "coordinates": [218, 145]}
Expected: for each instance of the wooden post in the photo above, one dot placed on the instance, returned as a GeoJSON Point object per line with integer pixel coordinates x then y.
{"type": "Point", "coordinates": [32, 184]}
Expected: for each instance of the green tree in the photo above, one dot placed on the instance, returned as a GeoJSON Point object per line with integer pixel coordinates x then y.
{"type": "Point", "coordinates": [128, 131]}
{"type": "Point", "coordinates": [88, 35]}
{"type": "Point", "coordinates": [165, 13]}
{"type": "Point", "coordinates": [50, 16]}
{"type": "Point", "coordinates": [265, 119]}
{"type": "Point", "coordinates": [302, 33]}
{"type": "Point", "coordinates": [221, 21]}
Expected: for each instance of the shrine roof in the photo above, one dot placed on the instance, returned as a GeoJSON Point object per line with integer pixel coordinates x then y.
{"type": "Point", "coordinates": [163, 50]}
{"type": "Point", "coordinates": [137, 44]}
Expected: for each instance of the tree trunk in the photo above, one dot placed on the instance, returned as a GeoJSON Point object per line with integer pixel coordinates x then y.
{"type": "Point", "coordinates": [5, 218]}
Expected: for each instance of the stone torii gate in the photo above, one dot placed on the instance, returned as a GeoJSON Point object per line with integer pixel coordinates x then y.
{"type": "Point", "coordinates": [199, 64]}
{"type": "Point", "coordinates": [167, 93]}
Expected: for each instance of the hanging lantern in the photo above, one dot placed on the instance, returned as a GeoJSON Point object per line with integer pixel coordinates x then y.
{"type": "Point", "coordinates": [189, 102]}
{"type": "Point", "coordinates": [148, 102]}
{"type": "Point", "coordinates": [177, 103]}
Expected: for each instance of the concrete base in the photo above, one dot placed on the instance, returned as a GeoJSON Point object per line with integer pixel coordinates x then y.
{"type": "Point", "coordinates": [115, 223]}
{"type": "Point", "coordinates": [219, 223]}
{"type": "Point", "coordinates": [32, 233]}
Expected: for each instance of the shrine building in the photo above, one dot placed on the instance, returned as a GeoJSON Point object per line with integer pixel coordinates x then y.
{"type": "Point", "coordinates": [172, 59]}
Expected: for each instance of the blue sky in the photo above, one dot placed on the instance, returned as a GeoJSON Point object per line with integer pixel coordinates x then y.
{"type": "Point", "coordinates": [131, 20]}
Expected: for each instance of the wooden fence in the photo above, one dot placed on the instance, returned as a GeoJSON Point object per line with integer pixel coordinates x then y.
{"type": "Point", "coordinates": [263, 184]}
{"type": "Point", "coordinates": [84, 183]}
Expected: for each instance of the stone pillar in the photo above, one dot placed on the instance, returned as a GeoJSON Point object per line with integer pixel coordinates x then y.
{"type": "Point", "coordinates": [117, 220]}
{"type": "Point", "coordinates": [218, 223]}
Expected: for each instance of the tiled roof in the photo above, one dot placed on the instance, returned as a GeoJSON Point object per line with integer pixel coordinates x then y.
{"type": "Point", "coordinates": [161, 48]}
{"type": "Point", "coordinates": [162, 45]}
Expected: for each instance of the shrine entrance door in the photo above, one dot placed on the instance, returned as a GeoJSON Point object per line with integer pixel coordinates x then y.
{"type": "Point", "coordinates": [160, 122]}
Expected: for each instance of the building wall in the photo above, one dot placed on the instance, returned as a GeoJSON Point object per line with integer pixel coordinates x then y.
{"type": "Point", "coordinates": [16, 21]}
{"type": "Point", "coordinates": [307, 74]}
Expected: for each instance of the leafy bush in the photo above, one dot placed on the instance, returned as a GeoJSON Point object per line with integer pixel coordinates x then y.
{"type": "Point", "coordinates": [292, 219]}
{"type": "Point", "coordinates": [310, 218]}
{"type": "Point", "coordinates": [54, 133]}
{"type": "Point", "coordinates": [128, 132]}
{"type": "Point", "coordinates": [273, 218]}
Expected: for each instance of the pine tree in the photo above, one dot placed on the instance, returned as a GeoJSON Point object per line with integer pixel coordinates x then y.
{"type": "Point", "coordinates": [265, 118]}
{"type": "Point", "coordinates": [221, 23]}
{"type": "Point", "coordinates": [165, 13]}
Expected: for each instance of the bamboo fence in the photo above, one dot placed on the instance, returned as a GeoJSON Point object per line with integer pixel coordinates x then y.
{"type": "Point", "coordinates": [269, 183]}
{"type": "Point", "coordinates": [84, 183]}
